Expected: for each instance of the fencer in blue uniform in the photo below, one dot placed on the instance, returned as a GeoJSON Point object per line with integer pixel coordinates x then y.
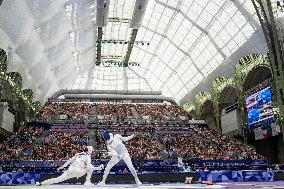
{"type": "Point", "coordinates": [118, 151]}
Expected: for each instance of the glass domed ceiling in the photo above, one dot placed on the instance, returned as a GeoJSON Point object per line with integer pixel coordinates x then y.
{"type": "Point", "coordinates": [178, 43]}
{"type": "Point", "coordinates": [187, 41]}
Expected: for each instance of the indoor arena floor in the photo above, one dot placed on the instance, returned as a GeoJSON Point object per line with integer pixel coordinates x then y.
{"type": "Point", "coordinates": [240, 185]}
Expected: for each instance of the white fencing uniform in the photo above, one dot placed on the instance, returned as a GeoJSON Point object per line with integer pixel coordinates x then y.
{"type": "Point", "coordinates": [80, 164]}
{"type": "Point", "coordinates": [118, 151]}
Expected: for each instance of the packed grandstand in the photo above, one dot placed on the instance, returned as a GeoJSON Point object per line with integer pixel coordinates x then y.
{"type": "Point", "coordinates": [163, 131]}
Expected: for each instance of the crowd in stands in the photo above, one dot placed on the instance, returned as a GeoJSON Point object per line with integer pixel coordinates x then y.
{"type": "Point", "coordinates": [78, 111]}
{"type": "Point", "coordinates": [207, 144]}
{"type": "Point", "coordinates": [30, 144]}
{"type": "Point", "coordinates": [187, 141]}
{"type": "Point", "coordinates": [144, 147]}
{"type": "Point", "coordinates": [61, 145]}
{"type": "Point", "coordinates": [176, 111]}
{"type": "Point", "coordinates": [156, 112]}
{"type": "Point", "coordinates": [117, 111]}
{"type": "Point", "coordinates": [19, 145]}
{"type": "Point", "coordinates": [180, 140]}
{"type": "Point", "coordinates": [71, 111]}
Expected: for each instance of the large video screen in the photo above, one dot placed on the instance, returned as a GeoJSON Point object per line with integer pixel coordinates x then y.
{"type": "Point", "coordinates": [259, 107]}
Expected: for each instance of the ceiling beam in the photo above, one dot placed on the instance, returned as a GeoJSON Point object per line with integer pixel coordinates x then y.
{"type": "Point", "coordinates": [136, 21]}
{"type": "Point", "coordinates": [99, 46]}
{"type": "Point", "coordinates": [138, 13]}
{"type": "Point", "coordinates": [102, 12]}
{"type": "Point", "coordinates": [130, 46]}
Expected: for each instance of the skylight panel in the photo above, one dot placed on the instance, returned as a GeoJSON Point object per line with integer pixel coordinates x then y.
{"type": "Point", "coordinates": [178, 84]}
{"type": "Point", "coordinates": [154, 22]}
{"type": "Point", "coordinates": [198, 77]}
{"type": "Point", "coordinates": [202, 22]}
{"type": "Point", "coordinates": [211, 48]}
{"type": "Point", "coordinates": [207, 69]}
{"type": "Point", "coordinates": [172, 3]}
{"type": "Point", "coordinates": [223, 19]}
{"type": "Point", "coordinates": [206, 16]}
{"type": "Point", "coordinates": [240, 38]}
{"type": "Point", "coordinates": [176, 58]}
{"type": "Point", "coordinates": [159, 69]}
{"type": "Point", "coordinates": [248, 30]}
{"type": "Point", "coordinates": [164, 75]}
{"type": "Point", "coordinates": [232, 45]}
{"type": "Point", "coordinates": [177, 21]}
{"type": "Point", "coordinates": [179, 37]}
{"type": "Point", "coordinates": [200, 61]}
{"type": "Point", "coordinates": [239, 19]}
{"type": "Point", "coordinates": [184, 66]}
{"type": "Point", "coordinates": [229, 27]}
{"type": "Point", "coordinates": [224, 37]}
{"type": "Point", "coordinates": [151, 36]}
{"type": "Point", "coordinates": [158, 84]}
{"type": "Point", "coordinates": [163, 45]}
{"type": "Point", "coordinates": [214, 7]}
{"type": "Point", "coordinates": [219, 59]}
{"type": "Point", "coordinates": [159, 9]}
{"type": "Point", "coordinates": [166, 92]}
{"type": "Point", "coordinates": [173, 82]}
{"type": "Point", "coordinates": [162, 25]}
{"type": "Point", "coordinates": [196, 10]}
{"type": "Point", "coordinates": [136, 54]}
{"type": "Point", "coordinates": [186, 25]}
{"type": "Point", "coordinates": [155, 41]}
{"type": "Point", "coordinates": [146, 57]}
{"type": "Point", "coordinates": [183, 91]}
{"type": "Point", "coordinates": [185, 6]}
{"type": "Point", "coordinates": [150, 77]}
{"type": "Point", "coordinates": [168, 53]}
{"type": "Point", "coordinates": [151, 65]}
{"type": "Point", "coordinates": [197, 49]}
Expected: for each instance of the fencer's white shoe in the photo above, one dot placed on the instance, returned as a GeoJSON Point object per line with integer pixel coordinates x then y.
{"type": "Point", "coordinates": [38, 184]}
{"type": "Point", "coordinates": [138, 182]}
{"type": "Point", "coordinates": [88, 183]}
{"type": "Point", "coordinates": [101, 183]}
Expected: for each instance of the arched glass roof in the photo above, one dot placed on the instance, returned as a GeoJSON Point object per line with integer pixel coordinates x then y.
{"type": "Point", "coordinates": [54, 43]}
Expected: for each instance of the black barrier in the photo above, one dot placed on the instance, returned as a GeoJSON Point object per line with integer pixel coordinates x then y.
{"type": "Point", "coordinates": [278, 176]}
{"type": "Point", "coordinates": [128, 178]}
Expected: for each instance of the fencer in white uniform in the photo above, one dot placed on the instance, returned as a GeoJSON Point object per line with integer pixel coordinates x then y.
{"type": "Point", "coordinates": [80, 164]}
{"type": "Point", "coordinates": [118, 151]}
